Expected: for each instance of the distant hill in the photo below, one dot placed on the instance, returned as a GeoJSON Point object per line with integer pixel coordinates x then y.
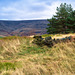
{"type": "Point", "coordinates": [25, 27]}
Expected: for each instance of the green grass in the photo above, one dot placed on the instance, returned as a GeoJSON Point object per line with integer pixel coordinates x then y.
{"type": "Point", "coordinates": [47, 35]}
{"type": "Point", "coordinates": [8, 65]}
{"type": "Point", "coordinates": [1, 37]}
{"type": "Point", "coordinates": [32, 50]}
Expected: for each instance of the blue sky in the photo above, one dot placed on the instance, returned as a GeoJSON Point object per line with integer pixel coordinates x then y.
{"type": "Point", "coordinates": [30, 9]}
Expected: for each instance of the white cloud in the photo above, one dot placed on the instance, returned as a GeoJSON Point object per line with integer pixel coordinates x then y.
{"type": "Point", "coordinates": [30, 9]}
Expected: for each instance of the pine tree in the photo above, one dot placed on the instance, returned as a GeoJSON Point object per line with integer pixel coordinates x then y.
{"type": "Point", "coordinates": [59, 23]}
{"type": "Point", "coordinates": [71, 22]}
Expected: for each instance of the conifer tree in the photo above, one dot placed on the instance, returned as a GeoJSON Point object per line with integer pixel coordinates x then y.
{"type": "Point", "coordinates": [63, 21]}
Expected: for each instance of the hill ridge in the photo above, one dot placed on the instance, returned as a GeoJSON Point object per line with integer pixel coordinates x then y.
{"type": "Point", "coordinates": [23, 27]}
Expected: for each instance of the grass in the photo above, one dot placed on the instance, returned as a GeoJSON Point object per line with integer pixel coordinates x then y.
{"type": "Point", "coordinates": [1, 37]}
{"type": "Point", "coordinates": [7, 65]}
{"type": "Point", "coordinates": [47, 35]}
{"type": "Point", "coordinates": [57, 35]}
{"type": "Point", "coordinates": [19, 56]}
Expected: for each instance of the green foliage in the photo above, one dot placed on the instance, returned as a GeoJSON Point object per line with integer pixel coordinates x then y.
{"type": "Point", "coordinates": [63, 21]}
{"type": "Point", "coordinates": [71, 22]}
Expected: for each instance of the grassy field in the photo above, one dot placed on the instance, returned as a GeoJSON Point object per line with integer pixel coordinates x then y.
{"type": "Point", "coordinates": [19, 56]}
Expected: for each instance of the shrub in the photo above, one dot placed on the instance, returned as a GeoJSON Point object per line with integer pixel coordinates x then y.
{"type": "Point", "coordinates": [41, 41]}
{"type": "Point", "coordinates": [48, 41]}
{"type": "Point", "coordinates": [38, 40]}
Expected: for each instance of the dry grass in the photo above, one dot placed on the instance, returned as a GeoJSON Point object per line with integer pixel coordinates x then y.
{"type": "Point", "coordinates": [58, 36]}
{"type": "Point", "coordinates": [31, 59]}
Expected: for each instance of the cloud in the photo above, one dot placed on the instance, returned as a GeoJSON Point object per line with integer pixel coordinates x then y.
{"type": "Point", "coordinates": [30, 9]}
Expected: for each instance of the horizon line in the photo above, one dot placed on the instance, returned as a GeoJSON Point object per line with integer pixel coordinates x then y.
{"type": "Point", "coordinates": [21, 19]}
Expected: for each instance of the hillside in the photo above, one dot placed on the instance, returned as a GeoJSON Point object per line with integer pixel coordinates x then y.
{"type": "Point", "coordinates": [19, 56]}
{"type": "Point", "coordinates": [26, 27]}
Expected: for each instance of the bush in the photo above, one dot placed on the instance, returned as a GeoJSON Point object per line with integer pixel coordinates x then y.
{"type": "Point", "coordinates": [48, 41]}
{"type": "Point", "coordinates": [38, 40]}
{"type": "Point", "coordinates": [41, 41]}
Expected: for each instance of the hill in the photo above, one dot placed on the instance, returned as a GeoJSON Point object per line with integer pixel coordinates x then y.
{"type": "Point", "coordinates": [26, 27]}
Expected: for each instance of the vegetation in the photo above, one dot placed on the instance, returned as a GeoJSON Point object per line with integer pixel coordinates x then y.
{"type": "Point", "coordinates": [19, 56]}
{"type": "Point", "coordinates": [0, 37]}
{"type": "Point", "coordinates": [49, 41]}
{"type": "Point", "coordinates": [63, 21]}
{"type": "Point", "coordinates": [7, 66]}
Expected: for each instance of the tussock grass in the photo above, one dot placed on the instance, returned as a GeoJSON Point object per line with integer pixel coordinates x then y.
{"type": "Point", "coordinates": [19, 56]}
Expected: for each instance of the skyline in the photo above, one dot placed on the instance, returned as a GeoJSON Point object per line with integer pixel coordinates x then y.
{"type": "Point", "coordinates": [30, 9]}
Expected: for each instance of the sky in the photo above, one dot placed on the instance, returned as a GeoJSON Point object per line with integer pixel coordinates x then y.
{"type": "Point", "coordinates": [30, 9]}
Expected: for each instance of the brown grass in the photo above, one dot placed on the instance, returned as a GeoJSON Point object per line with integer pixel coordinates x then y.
{"type": "Point", "coordinates": [35, 60]}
